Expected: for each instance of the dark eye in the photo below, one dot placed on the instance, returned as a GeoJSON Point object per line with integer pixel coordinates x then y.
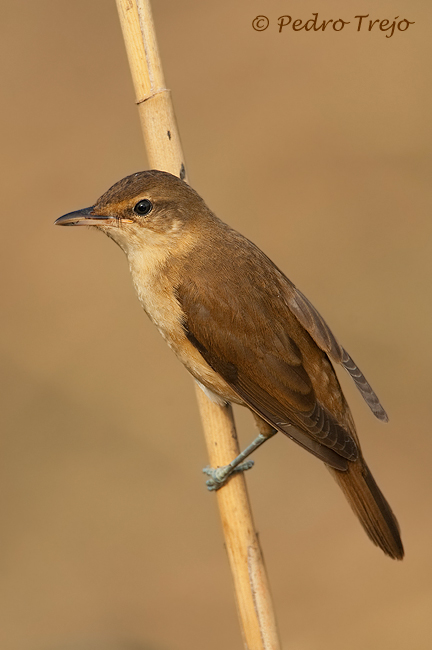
{"type": "Point", "coordinates": [143, 207]}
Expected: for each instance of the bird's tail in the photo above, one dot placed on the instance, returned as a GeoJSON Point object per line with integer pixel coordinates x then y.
{"type": "Point", "coordinates": [371, 507]}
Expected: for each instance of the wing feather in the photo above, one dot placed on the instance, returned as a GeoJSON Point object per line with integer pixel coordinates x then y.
{"type": "Point", "coordinates": [268, 342]}
{"type": "Point", "coordinates": [273, 384]}
{"type": "Point", "coordinates": [314, 323]}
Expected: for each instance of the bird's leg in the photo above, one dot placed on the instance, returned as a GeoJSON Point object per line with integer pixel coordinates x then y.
{"type": "Point", "coordinates": [219, 475]}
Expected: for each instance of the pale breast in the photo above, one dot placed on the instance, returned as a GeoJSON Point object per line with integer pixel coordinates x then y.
{"type": "Point", "coordinates": [157, 297]}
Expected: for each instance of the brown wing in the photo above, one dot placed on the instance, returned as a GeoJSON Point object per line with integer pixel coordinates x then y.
{"type": "Point", "coordinates": [313, 322]}
{"type": "Point", "coordinates": [244, 335]}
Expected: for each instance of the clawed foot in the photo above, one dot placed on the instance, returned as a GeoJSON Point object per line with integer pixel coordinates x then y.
{"type": "Point", "coordinates": [220, 475]}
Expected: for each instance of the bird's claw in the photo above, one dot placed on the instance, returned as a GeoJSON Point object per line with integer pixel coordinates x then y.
{"type": "Point", "coordinates": [220, 475]}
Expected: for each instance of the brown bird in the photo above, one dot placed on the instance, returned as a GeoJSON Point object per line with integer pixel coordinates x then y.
{"type": "Point", "coordinates": [243, 330]}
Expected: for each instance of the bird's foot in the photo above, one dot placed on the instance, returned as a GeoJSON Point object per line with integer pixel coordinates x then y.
{"type": "Point", "coordinates": [220, 475]}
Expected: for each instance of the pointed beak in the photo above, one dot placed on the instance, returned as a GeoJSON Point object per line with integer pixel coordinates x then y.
{"type": "Point", "coordinates": [83, 217]}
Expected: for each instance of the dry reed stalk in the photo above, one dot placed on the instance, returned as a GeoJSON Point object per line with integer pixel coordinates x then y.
{"type": "Point", "coordinates": [164, 152]}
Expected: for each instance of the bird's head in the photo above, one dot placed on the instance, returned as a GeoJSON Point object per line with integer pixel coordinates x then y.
{"type": "Point", "coordinates": [147, 209]}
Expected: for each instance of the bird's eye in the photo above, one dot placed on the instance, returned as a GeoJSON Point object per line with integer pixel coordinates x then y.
{"type": "Point", "coordinates": [143, 207]}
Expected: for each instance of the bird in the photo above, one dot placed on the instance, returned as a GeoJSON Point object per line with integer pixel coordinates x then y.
{"type": "Point", "coordinates": [243, 330]}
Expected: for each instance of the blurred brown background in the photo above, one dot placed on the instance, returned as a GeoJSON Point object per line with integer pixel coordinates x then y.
{"type": "Point", "coordinates": [317, 147]}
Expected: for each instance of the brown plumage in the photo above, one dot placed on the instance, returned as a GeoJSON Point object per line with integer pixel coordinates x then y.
{"type": "Point", "coordinates": [243, 330]}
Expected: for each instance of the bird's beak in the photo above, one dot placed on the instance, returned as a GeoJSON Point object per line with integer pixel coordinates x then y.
{"type": "Point", "coordinates": [84, 217]}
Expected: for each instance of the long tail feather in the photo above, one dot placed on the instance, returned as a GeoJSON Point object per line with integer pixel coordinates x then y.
{"type": "Point", "coordinates": [371, 507]}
